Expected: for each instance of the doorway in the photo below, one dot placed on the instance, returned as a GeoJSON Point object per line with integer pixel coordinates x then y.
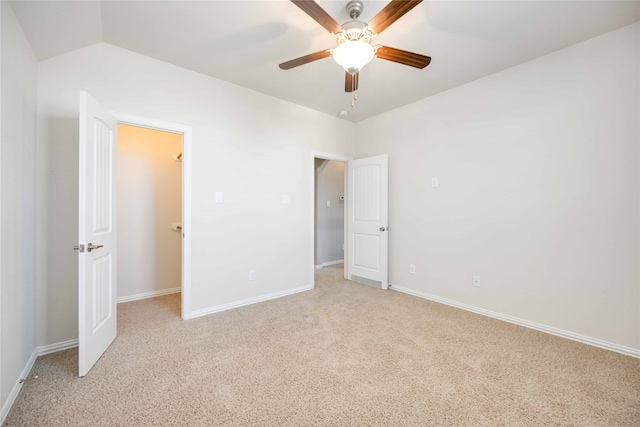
{"type": "Point", "coordinates": [366, 218]}
{"type": "Point", "coordinates": [329, 212]}
{"type": "Point", "coordinates": [184, 154]}
{"type": "Point", "coordinates": [149, 214]}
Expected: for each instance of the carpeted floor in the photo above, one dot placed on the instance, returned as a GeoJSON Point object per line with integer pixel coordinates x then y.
{"type": "Point", "coordinates": [341, 354]}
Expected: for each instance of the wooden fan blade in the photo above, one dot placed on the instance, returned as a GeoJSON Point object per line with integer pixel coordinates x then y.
{"type": "Point", "coordinates": [305, 59]}
{"type": "Point", "coordinates": [351, 82]}
{"type": "Point", "coordinates": [390, 14]}
{"type": "Point", "coordinates": [318, 14]}
{"type": "Point", "coordinates": [403, 57]}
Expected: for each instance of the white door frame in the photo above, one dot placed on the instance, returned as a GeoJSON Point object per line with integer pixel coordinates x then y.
{"type": "Point", "coordinates": [185, 131]}
{"type": "Point", "coordinates": [338, 158]}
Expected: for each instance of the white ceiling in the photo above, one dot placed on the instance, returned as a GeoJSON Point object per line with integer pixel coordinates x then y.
{"type": "Point", "coordinates": [243, 42]}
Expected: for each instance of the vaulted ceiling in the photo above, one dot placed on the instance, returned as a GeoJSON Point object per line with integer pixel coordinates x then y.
{"type": "Point", "coordinates": [243, 42]}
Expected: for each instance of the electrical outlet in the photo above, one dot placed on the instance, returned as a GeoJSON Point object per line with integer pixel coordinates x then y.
{"type": "Point", "coordinates": [252, 275]}
{"type": "Point", "coordinates": [476, 281]}
{"type": "Point", "coordinates": [412, 269]}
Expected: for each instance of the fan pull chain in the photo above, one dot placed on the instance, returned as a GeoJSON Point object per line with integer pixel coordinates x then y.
{"type": "Point", "coordinates": [353, 86]}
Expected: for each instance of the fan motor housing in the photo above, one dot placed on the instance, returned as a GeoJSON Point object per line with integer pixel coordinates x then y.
{"type": "Point", "coordinates": [354, 31]}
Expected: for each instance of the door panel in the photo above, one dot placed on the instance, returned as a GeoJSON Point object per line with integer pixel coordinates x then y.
{"type": "Point", "coordinates": [366, 251]}
{"type": "Point", "coordinates": [103, 178]}
{"type": "Point", "coordinates": [102, 285]}
{"type": "Point", "coordinates": [97, 263]}
{"type": "Point", "coordinates": [366, 194]}
{"type": "Point", "coordinates": [367, 214]}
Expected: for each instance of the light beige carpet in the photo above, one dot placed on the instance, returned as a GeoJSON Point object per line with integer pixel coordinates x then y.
{"type": "Point", "coordinates": [342, 354]}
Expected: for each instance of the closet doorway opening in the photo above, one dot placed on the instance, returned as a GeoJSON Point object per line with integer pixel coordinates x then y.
{"type": "Point", "coordinates": [150, 208]}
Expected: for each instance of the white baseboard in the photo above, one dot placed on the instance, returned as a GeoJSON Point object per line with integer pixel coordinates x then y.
{"type": "Point", "coordinates": [628, 351]}
{"type": "Point", "coordinates": [6, 407]}
{"type": "Point", "coordinates": [52, 348]}
{"type": "Point", "coordinates": [146, 295]}
{"type": "Point", "coordinates": [249, 301]}
{"type": "Point", "coordinates": [327, 264]}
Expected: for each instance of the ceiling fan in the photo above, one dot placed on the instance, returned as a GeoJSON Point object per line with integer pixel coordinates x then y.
{"type": "Point", "coordinates": [354, 49]}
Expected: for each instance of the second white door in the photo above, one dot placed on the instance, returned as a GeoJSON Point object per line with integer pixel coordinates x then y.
{"type": "Point", "coordinates": [367, 221]}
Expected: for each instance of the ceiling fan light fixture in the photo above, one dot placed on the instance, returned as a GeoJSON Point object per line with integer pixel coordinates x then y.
{"type": "Point", "coordinates": [353, 55]}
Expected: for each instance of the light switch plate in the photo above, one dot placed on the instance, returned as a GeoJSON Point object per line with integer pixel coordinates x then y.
{"type": "Point", "coordinates": [218, 197]}
{"type": "Point", "coordinates": [286, 199]}
{"type": "Point", "coordinates": [434, 181]}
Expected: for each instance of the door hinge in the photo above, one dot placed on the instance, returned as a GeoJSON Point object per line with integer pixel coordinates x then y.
{"type": "Point", "coordinates": [79, 248]}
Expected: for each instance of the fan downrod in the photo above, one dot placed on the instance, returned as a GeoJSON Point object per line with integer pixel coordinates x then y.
{"type": "Point", "coordinates": [354, 8]}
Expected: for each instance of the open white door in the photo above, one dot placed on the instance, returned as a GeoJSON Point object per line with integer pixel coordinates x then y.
{"type": "Point", "coordinates": [97, 232]}
{"type": "Point", "coordinates": [367, 212]}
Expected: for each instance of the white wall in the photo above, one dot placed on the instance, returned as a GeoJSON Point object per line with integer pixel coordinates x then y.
{"type": "Point", "coordinates": [251, 147]}
{"type": "Point", "coordinates": [329, 219]}
{"type": "Point", "coordinates": [149, 201]}
{"type": "Point", "coordinates": [17, 205]}
{"type": "Point", "coordinates": [538, 192]}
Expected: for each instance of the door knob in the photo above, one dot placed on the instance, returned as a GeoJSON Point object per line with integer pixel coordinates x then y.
{"type": "Point", "coordinates": [383, 229]}
{"type": "Point", "coordinates": [91, 247]}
